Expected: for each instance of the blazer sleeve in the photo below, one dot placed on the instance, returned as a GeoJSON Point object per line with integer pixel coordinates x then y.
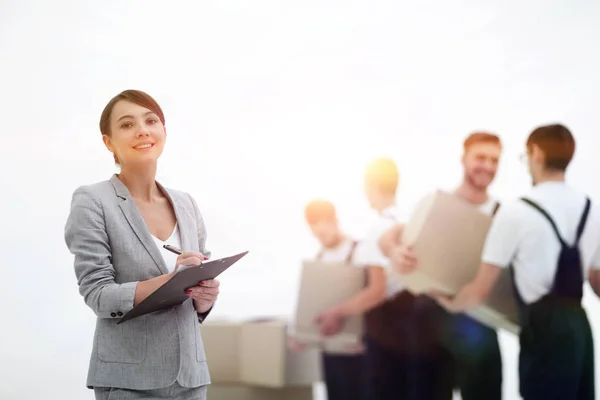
{"type": "Point", "coordinates": [87, 239]}
{"type": "Point", "coordinates": [201, 244]}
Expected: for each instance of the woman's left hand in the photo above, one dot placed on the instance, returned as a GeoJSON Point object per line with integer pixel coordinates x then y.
{"type": "Point", "coordinates": [204, 294]}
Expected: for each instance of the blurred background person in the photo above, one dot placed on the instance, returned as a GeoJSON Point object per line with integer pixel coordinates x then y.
{"type": "Point", "coordinates": [550, 239]}
{"type": "Point", "coordinates": [343, 368]}
{"type": "Point", "coordinates": [401, 356]}
{"type": "Point", "coordinates": [474, 359]}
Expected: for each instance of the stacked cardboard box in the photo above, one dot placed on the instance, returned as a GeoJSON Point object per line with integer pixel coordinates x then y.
{"type": "Point", "coordinates": [448, 236]}
{"type": "Point", "coordinates": [250, 360]}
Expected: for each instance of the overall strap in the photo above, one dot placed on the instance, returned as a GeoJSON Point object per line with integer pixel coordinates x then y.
{"type": "Point", "coordinates": [569, 276]}
{"type": "Point", "coordinates": [548, 217]}
{"type": "Point", "coordinates": [583, 220]}
{"type": "Point", "coordinates": [351, 252]}
{"type": "Point", "coordinates": [580, 227]}
{"type": "Point", "coordinates": [348, 259]}
{"type": "Point", "coordinates": [496, 207]}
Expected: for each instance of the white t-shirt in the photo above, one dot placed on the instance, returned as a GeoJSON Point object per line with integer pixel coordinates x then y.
{"type": "Point", "coordinates": [173, 240]}
{"type": "Point", "coordinates": [336, 254]}
{"type": "Point", "coordinates": [520, 235]}
{"type": "Point", "coordinates": [488, 207]}
{"type": "Point", "coordinates": [368, 252]}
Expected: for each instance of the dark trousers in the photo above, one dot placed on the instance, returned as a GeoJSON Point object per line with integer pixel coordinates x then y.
{"type": "Point", "coordinates": [556, 361]}
{"type": "Point", "coordinates": [395, 375]}
{"type": "Point", "coordinates": [344, 376]}
{"type": "Point", "coordinates": [474, 364]}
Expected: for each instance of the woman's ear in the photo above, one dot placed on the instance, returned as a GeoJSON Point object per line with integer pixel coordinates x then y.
{"type": "Point", "coordinates": [108, 143]}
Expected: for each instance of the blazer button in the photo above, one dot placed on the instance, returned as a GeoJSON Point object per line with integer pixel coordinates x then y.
{"type": "Point", "coordinates": [119, 313]}
{"type": "Point", "coordinates": [112, 314]}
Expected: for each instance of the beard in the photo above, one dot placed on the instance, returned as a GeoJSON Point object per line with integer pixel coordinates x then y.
{"type": "Point", "coordinates": [474, 182]}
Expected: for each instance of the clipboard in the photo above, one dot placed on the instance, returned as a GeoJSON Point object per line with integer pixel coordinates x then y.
{"type": "Point", "coordinates": [172, 293]}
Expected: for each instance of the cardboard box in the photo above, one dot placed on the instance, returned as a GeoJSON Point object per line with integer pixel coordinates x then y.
{"type": "Point", "coordinates": [448, 236]}
{"type": "Point", "coordinates": [244, 392]}
{"type": "Point", "coordinates": [267, 361]}
{"type": "Point", "coordinates": [324, 285]}
{"type": "Point", "coordinates": [256, 353]}
{"type": "Point", "coordinates": [222, 347]}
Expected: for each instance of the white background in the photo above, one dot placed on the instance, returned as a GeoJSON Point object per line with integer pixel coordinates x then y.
{"type": "Point", "coordinates": [268, 104]}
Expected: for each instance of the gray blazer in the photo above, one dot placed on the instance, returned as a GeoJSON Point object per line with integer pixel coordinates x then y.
{"type": "Point", "coordinates": [114, 250]}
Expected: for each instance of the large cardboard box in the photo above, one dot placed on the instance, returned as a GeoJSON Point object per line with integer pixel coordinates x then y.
{"type": "Point", "coordinates": [448, 236]}
{"type": "Point", "coordinates": [324, 285]}
{"type": "Point", "coordinates": [255, 352]}
{"type": "Point", "coordinates": [245, 392]}
{"type": "Point", "coordinates": [267, 360]}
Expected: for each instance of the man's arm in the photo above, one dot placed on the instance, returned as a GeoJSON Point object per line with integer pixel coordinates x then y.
{"type": "Point", "coordinates": [594, 273]}
{"type": "Point", "coordinates": [368, 298]}
{"type": "Point", "coordinates": [594, 279]}
{"type": "Point", "coordinates": [475, 292]}
{"type": "Point", "coordinates": [390, 240]}
{"type": "Point", "coordinates": [371, 296]}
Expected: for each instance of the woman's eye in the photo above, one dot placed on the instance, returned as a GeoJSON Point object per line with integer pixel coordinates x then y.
{"type": "Point", "coordinates": [152, 121]}
{"type": "Point", "coordinates": [126, 125]}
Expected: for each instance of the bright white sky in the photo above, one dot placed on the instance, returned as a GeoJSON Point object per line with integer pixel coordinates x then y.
{"type": "Point", "coordinates": [268, 104]}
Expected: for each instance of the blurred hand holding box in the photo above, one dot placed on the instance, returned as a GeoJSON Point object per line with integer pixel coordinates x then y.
{"type": "Point", "coordinates": [448, 235]}
{"type": "Point", "coordinates": [322, 286]}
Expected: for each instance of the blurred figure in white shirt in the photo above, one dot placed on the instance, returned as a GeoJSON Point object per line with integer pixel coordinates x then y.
{"type": "Point", "coordinates": [343, 368]}
{"type": "Point", "coordinates": [402, 359]}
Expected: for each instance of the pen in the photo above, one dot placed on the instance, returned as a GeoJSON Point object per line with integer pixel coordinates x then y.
{"type": "Point", "coordinates": [173, 249]}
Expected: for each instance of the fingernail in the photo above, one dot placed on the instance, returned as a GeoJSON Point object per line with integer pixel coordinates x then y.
{"type": "Point", "coordinates": [188, 291]}
{"type": "Point", "coordinates": [205, 258]}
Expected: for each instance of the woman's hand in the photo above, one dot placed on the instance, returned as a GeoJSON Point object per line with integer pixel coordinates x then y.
{"type": "Point", "coordinates": [188, 258]}
{"type": "Point", "coordinates": [145, 288]}
{"type": "Point", "coordinates": [204, 294]}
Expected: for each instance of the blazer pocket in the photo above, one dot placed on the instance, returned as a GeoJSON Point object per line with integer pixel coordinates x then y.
{"type": "Point", "coordinates": [125, 343]}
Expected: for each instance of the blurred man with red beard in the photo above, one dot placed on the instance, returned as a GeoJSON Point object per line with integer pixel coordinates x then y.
{"type": "Point", "coordinates": [474, 361]}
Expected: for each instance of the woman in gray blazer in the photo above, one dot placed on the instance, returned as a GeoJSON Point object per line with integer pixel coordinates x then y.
{"type": "Point", "coordinates": [115, 230]}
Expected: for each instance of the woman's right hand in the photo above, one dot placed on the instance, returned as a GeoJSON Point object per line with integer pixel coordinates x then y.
{"type": "Point", "coordinates": [144, 288]}
{"type": "Point", "coordinates": [188, 258]}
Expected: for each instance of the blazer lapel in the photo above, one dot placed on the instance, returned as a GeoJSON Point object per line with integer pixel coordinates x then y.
{"type": "Point", "coordinates": [187, 230]}
{"type": "Point", "coordinates": [137, 223]}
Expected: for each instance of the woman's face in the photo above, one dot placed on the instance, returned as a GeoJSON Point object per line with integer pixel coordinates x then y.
{"type": "Point", "coordinates": [137, 136]}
